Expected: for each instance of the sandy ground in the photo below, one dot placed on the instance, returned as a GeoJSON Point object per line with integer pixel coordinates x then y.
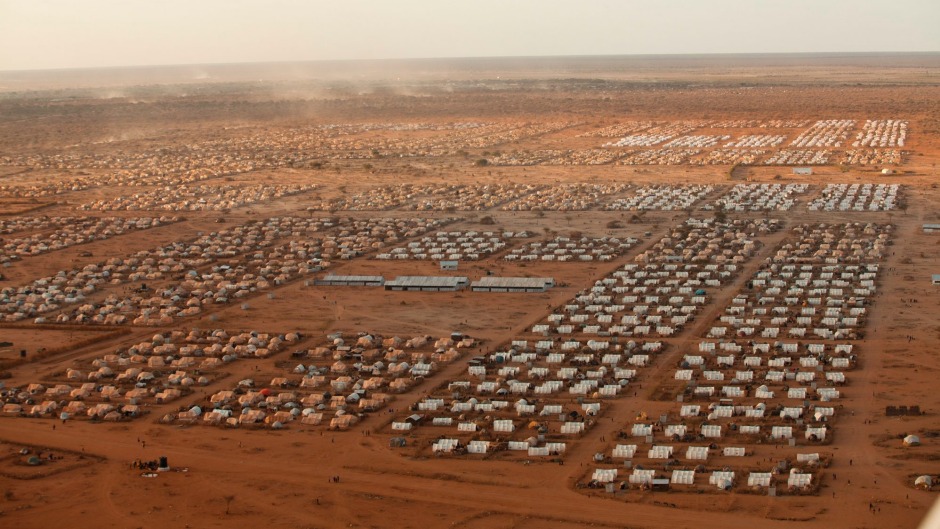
{"type": "Point", "coordinates": [259, 477]}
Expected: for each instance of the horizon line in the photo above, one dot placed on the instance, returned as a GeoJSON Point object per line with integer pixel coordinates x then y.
{"type": "Point", "coordinates": [470, 57]}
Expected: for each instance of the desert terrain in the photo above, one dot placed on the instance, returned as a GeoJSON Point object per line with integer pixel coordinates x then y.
{"type": "Point", "coordinates": [738, 327]}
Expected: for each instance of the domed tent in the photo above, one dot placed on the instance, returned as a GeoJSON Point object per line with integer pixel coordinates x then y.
{"type": "Point", "coordinates": [912, 440]}
{"type": "Point", "coordinates": [924, 482]}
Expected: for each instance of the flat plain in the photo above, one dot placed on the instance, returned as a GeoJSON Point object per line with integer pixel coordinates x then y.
{"type": "Point", "coordinates": [739, 331]}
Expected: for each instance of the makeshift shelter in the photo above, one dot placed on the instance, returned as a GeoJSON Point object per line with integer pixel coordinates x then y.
{"type": "Point", "coordinates": [342, 422]}
{"type": "Point", "coordinates": [924, 482]}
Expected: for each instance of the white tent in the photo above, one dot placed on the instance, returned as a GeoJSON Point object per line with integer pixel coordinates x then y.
{"type": "Point", "coordinates": [711, 430]}
{"type": "Point", "coordinates": [624, 451]}
{"type": "Point", "coordinates": [572, 428]}
{"type": "Point", "coordinates": [722, 479]}
{"type": "Point", "coordinates": [478, 447]}
{"type": "Point", "coordinates": [503, 426]}
{"type": "Point", "coordinates": [675, 429]}
{"type": "Point", "coordinates": [660, 452]}
{"type": "Point", "coordinates": [799, 480]}
{"type": "Point", "coordinates": [642, 476]}
{"type": "Point", "coordinates": [604, 475]}
{"type": "Point", "coordinates": [781, 432]}
{"type": "Point", "coordinates": [807, 458]}
{"type": "Point", "coordinates": [444, 445]}
{"type": "Point", "coordinates": [641, 430]}
{"type": "Point", "coordinates": [759, 479]}
{"type": "Point", "coordinates": [818, 433]}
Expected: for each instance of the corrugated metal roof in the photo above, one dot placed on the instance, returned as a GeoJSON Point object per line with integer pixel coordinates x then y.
{"type": "Point", "coordinates": [427, 281]}
{"type": "Point", "coordinates": [350, 279]}
{"type": "Point", "coordinates": [513, 282]}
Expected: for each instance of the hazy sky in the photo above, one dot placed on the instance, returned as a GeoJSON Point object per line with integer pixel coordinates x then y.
{"type": "Point", "coordinates": [41, 34]}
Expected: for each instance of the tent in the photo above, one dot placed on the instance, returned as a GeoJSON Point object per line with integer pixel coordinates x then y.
{"type": "Point", "coordinates": [724, 480]}
{"type": "Point", "coordinates": [503, 426]}
{"type": "Point", "coordinates": [683, 477]}
{"type": "Point", "coordinates": [912, 440]}
{"type": "Point", "coordinates": [341, 422]}
{"type": "Point", "coordinates": [478, 447]}
{"type": "Point", "coordinates": [759, 479]}
{"type": "Point", "coordinates": [624, 451]}
{"type": "Point", "coordinates": [924, 481]}
{"type": "Point", "coordinates": [604, 475]}
{"type": "Point", "coordinates": [312, 418]}
{"type": "Point", "coordinates": [798, 479]}
{"type": "Point", "coordinates": [444, 445]}
{"type": "Point", "coordinates": [660, 452]}
{"type": "Point", "coordinates": [640, 476]}
{"type": "Point", "coordinates": [711, 430]}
